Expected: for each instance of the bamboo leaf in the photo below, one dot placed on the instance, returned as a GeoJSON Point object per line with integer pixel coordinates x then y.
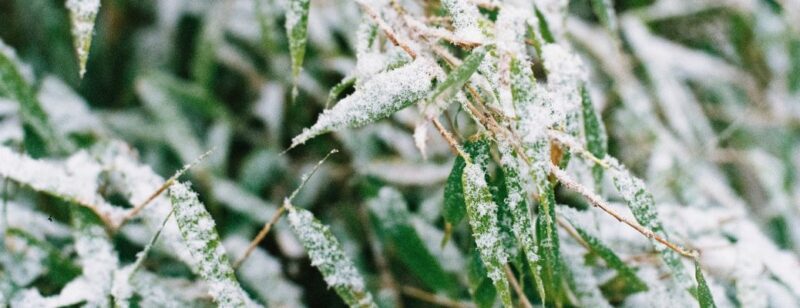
{"type": "Point", "coordinates": [455, 80]}
{"type": "Point", "coordinates": [394, 219]}
{"type": "Point", "coordinates": [40, 137]}
{"type": "Point", "coordinates": [704, 297]}
{"type": "Point", "coordinates": [202, 240]}
{"type": "Point", "coordinates": [604, 9]}
{"type": "Point", "coordinates": [82, 14]}
{"type": "Point", "coordinates": [516, 201]}
{"type": "Point", "coordinates": [381, 96]}
{"type": "Point", "coordinates": [642, 205]}
{"type": "Point", "coordinates": [482, 216]}
{"type": "Point", "coordinates": [633, 282]}
{"type": "Point", "coordinates": [454, 207]}
{"type": "Point", "coordinates": [595, 134]}
{"type": "Point", "coordinates": [296, 31]}
{"type": "Point", "coordinates": [328, 256]}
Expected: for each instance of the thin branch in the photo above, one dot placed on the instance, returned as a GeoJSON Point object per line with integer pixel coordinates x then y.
{"type": "Point", "coordinates": [523, 300]}
{"type": "Point", "coordinates": [598, 202]}
{"type": "Point", "coordinates": [433, 298]}
{"type": "Point", "coordinates": [449, 137]}
{"type": "Point", "coordinates": [390, 34]}
{"type": "Point", "coordinates": [259, 237]}
{"type": "Point", "coordinates": [138, 208]}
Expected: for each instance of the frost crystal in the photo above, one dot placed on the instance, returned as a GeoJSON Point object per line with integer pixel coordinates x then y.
{"type": "Point", "coordinates": [466, 19]}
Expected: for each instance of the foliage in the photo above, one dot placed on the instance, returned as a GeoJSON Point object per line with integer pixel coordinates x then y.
{"type": "Point", "coordinates": [587, 153]}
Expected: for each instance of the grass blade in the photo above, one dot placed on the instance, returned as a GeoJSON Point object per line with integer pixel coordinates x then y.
{"type": "Point", "coordinates": [455, 80]}
{"type": "Point", "coordinates": [604, 9]}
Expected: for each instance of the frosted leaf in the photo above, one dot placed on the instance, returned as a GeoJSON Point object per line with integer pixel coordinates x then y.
{"type": "Point", "coordinates": [517, 203]}
{"type": "Point", "coordinates": [583, 281]}
{"type": "Point", "coordinates": [296, 31]}
{"type": "Point", "coordinates": [383, 95]}
{"type": "Point", "coordinates": [554, 13]}
{"type": "Point", "coordinates": [565, 74]}
{"type": "Point", "coordinates": [74, 180]}
{"type": "Point", "coordinates": [23, 262]}
{"type": "Point", "coordinates": [137, 182]}
{"type": "Point", "coordinates": [482, 216]}
{"type": "Point", "coordinates": [68, 112]}
{"type": "Point", "coordinates": [328, 256]}
{"type": "Point", "coordinates": [98, 260]}
{"type": "Point", "coordinates": [449, 256]}
{"type": "Point", "coordinates": [201, 238]}
{"type": "Point", "coordinates": [15, 84]}
{"type": "Point", "coordinates": [466, 19]}
{"type": "Point", "coordinates": [82, 15]}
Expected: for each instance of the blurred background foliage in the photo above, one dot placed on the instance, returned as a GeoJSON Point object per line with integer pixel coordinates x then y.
{"type": "Point", "coordinates": [176, 78]}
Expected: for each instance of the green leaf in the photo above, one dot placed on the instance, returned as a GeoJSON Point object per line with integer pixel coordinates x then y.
{"type": "Point", "coordinates": [642, 205]}
{"type": "Point", "coordinates": [328, 256]}
{"type": "Point", "coordinates": [82, 14]}
{"type": "Point", "coordinates": [482, 216]}
{"type": "Point", "coordinates": [454, 206]}
{"type": "Point", "coordinates": [202, 240]}
{"type": "Point", "coordinates": [340, 87]}
{"type": "Point", "coordinates": [704, 297]}
{"type": "Point", "coordinates": [393, 218]}
{"type": "Point", "coordinates": [457, 77]}
{"type": "Point", "coordinates": [380, 97]}
{"type": "Point", "coordinates": [604, 9]}
{"type": "Point", "coordinates": [595, 134]}
{"type": "Point", "coordinates": [548, 245]}
{"type": "Point", "coordinates": [297, 31]}
{"type": "Point", "coordinates": [613, 261]}
{"type": "Point", "coordinates": [480, 286]}
{"type": "Point", "coordinates": [517, 202]}
{"type": "Point", "coordinates": [40, 137]}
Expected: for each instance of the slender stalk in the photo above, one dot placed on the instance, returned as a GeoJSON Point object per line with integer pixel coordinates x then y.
{"type": "Point", "coordinates": [259, 237]}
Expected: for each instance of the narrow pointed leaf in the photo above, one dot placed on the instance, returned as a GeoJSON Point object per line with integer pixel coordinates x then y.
{"type": "Point", "coordinates": [394, 219]}
{"type": "Point", "coordinates": [328, 256]}
{"type": "Point", "coordinates": [517, 202]}
{"type": "Point", "coordinates": [40, 137]}
{"type": "Point", "coordinates": [297, 32]}
{"type": "Point", "coordinates": [704, 297]}
{"type": "Point", "coordinates": [604, 9]}
{"type": "Point", "coordinates": [201, 238]}
{"type": "Point", "coordinates": [642, 205]}
{"type": "Point", "coordinates": [381, 96]}
{"type": "Point", "coordinates": [457, 77]}
{"type": "Point", "coordinates": [595, 134]}
{"type": "Point", "coordinates": [482, 215]}
{"type": "Point", "coordinates": [82, 14]}
{"type": "Point", "coordinates": [633, 282]}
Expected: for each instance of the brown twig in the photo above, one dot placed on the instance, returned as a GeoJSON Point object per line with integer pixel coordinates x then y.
{"type": "Point", "coordinates": [523, 300]}
{"type": "Point", "coordinates": [433, 298]}
{"type": "Point", "coordinates": [449, 137]}
{"type": "Point", "coordinates": [598, 202]}
{"type": "Point", "coordinates": [259, 237]}
{"type": "Point", "coordinates": [390, 34]}
{"type": "Point", "coordinates": [138, 208]}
